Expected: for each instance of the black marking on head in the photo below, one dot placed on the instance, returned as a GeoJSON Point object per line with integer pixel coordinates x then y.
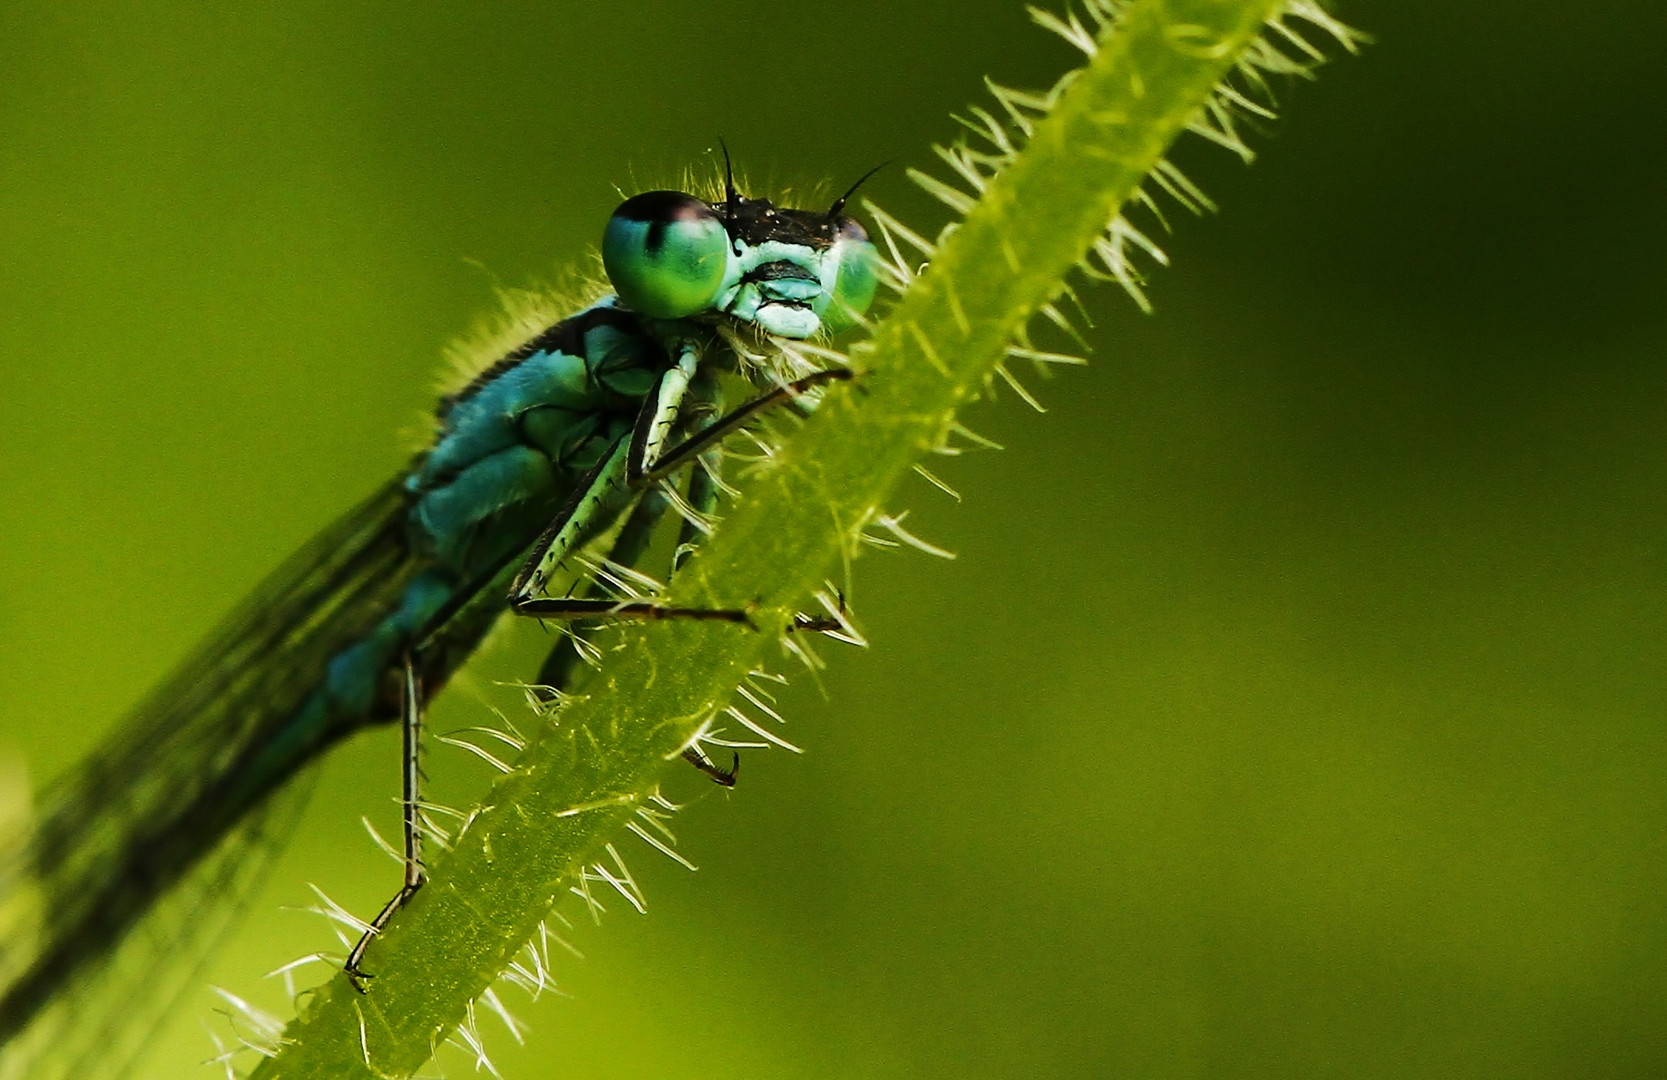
{"type": "Point", "coordinates": [759, 220]}
{"type": "Point", "coordinates": [652, 206]}
{"type": "Point", "coordinates": [661, 210]}
{"type": "Point", "coordinates": [780, 270]}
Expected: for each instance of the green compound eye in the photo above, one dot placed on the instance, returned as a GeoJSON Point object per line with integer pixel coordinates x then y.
{"type": "Point", "coordinates": [666, 254]}
{"type": "Point", "coordinates": [857, 277]}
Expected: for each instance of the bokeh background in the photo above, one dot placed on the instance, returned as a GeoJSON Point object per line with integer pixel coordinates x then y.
{"type": "Point", "coordinates": [1295, 705]}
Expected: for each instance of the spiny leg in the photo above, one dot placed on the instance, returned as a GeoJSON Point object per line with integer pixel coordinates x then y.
{"type": "Point", "coordinates": [557, 670]}
{"type": "Point", "coordinates": [705, 483]}
{"type": "Point", "coordinates": [634, 463]}
{"type": "Point", "coordinates": [644, 463]}
{"type": "Point", "coordinates": [556, 673]}
{"type": "Point", "coordinates": [625, 468]}
{"type": "Point", "coordinates": [705, 480]}
{"type": "Point", "coordinates": [596, 501]}
{"type": "Point", "coordinates": [411, 744]}
{"type": "Point", "coordinates": [786, 394]}
{"type": "Point", "coordinates": [628, 549]}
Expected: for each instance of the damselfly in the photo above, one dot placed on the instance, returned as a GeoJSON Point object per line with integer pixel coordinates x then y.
{"type": "Point", "coordinates": [582, 424]}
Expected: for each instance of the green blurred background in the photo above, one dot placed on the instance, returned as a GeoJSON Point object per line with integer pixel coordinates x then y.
{"type": "Point", "coordinates": [1295, 706]}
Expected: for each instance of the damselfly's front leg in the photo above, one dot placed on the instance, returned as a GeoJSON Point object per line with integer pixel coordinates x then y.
{"type": "Point", "coordinates": [411, 716]}
{"type": "Point", "coordinates": [686, 451]}
{"type": "Point", "coordinates": [631, 465]}
{"type": "Point", "coordinates": [592, 504]}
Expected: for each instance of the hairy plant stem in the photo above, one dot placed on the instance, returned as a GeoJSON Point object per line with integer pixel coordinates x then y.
{"type": "Point", "coordinates": [797, 518]}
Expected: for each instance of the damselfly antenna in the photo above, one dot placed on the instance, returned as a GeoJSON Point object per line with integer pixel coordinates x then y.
{"type": "Point", "coordinates": [839, 203]}
{"type": "Point", "coordinates": [731, 198]}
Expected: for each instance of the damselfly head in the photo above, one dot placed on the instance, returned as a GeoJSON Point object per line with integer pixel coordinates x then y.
{"type": "Point", "coordinates": [792, 273]}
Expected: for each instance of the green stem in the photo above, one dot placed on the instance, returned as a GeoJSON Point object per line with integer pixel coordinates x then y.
{"type": "Point", "coordinates": [583, 777]}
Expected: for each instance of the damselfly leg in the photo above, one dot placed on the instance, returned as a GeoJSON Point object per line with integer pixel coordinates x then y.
{"type": "Point", "coordinates": [635, 463]}
{"type": "Point", "coordinates": [411, 722]}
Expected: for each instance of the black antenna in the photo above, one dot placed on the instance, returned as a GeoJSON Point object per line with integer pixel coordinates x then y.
{"type": "Point", "coordinates": [839, 203]}
{"type": "Point", "coordinates": [731, 199]}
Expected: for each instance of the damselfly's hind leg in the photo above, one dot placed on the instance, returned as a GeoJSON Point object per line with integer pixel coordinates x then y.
{"type": "Point", "coordinates": [411, 730]}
